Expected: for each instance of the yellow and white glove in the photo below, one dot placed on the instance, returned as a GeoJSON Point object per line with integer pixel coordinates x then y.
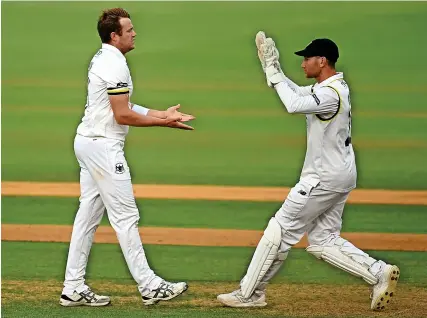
{"type": "Point", "coordinates": [268, 55]}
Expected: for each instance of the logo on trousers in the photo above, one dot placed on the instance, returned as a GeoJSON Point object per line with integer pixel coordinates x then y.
{"type": "Point", "coordinates": [120, 168]}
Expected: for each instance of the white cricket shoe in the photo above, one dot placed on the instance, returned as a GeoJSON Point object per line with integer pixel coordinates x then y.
{"type": "Point", "coordinates": [85, 298]}
{"type": "Point", "coordinates": [165, 291]}
{"type": "Point", "coordinates": [236, 299]}
{"type": "Point", "coordinates": [385, 289]}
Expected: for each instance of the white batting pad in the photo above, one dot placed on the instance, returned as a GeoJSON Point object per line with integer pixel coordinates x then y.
{"type": "Point", "coordinates": [344, 255]}
{"type": "Point", "coordinates": [265, 254]}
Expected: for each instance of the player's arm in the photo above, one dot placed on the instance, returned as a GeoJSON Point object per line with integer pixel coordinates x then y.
{"type": "Point", "coordinates": [126, 116]}
{"type": "Point", "coordinates": [116, 78]}
{"type": "Point", "coordinates": [300, 90]}
{"type": "Point", "coordinates": [268, 54]}
{"type": "Point", "coordinates": [161, 113]}
{"type": "Point", "coordinates": [147, 111]}
{"type": "Point", "coordinates": [324, 101]}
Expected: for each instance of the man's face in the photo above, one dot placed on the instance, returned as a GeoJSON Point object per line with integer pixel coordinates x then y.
{"type": "Point", "coordinates": [312, 66]}
{"type": "Point", "coordinates": [126, 41]}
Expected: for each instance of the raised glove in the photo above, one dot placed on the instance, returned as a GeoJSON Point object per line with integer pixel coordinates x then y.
{"type": "Point", "coordinates": [268, 55]}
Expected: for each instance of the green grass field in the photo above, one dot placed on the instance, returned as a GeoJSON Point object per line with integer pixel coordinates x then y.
{"type": "Point", "coordinates": [202, 55]}
{"type": "Point", "coordinates": [215, 214]}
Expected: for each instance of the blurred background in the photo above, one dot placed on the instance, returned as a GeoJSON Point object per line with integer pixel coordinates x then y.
{"type": "Point", "coordinates": [202, 55]}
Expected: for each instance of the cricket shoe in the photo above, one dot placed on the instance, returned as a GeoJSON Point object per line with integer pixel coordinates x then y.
{"type": "Point", "coordinates": [165, 291]}
{"type": "Point", "coordinates": [385, 289]}
{"type": "Point", "coordinates": [236, 299]}
{"type": "Point", "coordinates": [85, 298]}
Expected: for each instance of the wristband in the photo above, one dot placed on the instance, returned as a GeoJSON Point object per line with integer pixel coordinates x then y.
{"type": "Point", "coordinates": [140, 109]}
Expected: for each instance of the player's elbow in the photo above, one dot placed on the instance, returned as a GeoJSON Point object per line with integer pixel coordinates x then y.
{"type": "Point", "coordinates": [291, 108]}
{"type": "Point", "coordinates": [121, 118]}
{"type": "Point", "coordinates": [121, 121]}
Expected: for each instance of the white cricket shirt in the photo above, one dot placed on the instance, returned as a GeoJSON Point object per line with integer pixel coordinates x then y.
{"type": "Point", "coordinates": [108, 75]}
{"type": "Point", "coordinates": [329, 161]}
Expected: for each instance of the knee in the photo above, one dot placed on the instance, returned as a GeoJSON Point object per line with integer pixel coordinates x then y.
{"type": "Point", "coordinates": [317, 246]}
{"type": "Point", "coordinates": [273, 232]}
{"type": "Point", "coordinates": [314, 239]}
{"type": "Point", "coordinates": [322, 238]}
{"type": "Point", "coordinates": [289, 237]}
{"type": "Point", "coordinates": [124, 222]}
{"type": "Point", "coordinates": [292, 225]}
{"type": "Point", "coordinates": [316, 243]}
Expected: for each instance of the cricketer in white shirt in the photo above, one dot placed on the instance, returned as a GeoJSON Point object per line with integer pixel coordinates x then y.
{"type": "Point", "coordinates": [105, 178]}
{"type": "Point", "coordinates": [316, 203]}
{"type": "Point", "coordinates": [108, 74]}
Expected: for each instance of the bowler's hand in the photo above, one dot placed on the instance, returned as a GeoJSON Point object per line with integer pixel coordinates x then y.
{"type": "Point", "coordinates": [172, 111]}
{"type": "Point", "coordinates": [175, 121]}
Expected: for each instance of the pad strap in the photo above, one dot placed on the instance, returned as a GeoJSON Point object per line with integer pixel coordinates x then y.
{"type": "Point", "coordinates": [346, 256]}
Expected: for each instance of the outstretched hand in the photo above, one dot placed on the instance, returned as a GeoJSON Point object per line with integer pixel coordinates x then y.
{"type": "Point", "coordinates": [171, 111]}
{"type": "Point", "coordinates": [176, 119]}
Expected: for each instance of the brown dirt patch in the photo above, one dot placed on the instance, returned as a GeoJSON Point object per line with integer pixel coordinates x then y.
{"type": "Point", "coordinates": [205, 192]}
{"type": "Point", "coordinates": [209, 237]}
{"type": "Point", "coordinates": [205, 237]}
{"type": "Point", "coordinates": [299, 300]}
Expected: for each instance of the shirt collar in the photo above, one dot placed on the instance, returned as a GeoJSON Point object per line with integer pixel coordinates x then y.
{"type": "Point", "coordinates": [339, 75]}
{"type": "Point", "coordinates": [113, 49]}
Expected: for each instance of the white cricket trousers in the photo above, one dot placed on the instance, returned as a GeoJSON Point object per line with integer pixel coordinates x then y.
{"type": "Point", "coordinates": [105, 183]}
{"type": "Point", "coordinates": [318, 213]}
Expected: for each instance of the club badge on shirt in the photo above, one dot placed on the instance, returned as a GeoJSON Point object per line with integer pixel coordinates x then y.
{"type": "Point", "coordinates": [120, 168]}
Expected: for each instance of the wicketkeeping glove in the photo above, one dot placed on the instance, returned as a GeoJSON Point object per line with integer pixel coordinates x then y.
{"type": "Point", "coordinates": [268, 55]}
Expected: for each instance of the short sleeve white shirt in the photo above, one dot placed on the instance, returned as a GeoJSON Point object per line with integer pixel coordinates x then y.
{"type": "Point", "coordinates": [108, 74]}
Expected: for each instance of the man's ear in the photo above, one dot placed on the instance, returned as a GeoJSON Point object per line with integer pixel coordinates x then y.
{"type": "Point", "coordinates": [323, 61]}
{"type": "Point", "coordinates": [113, 35]}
